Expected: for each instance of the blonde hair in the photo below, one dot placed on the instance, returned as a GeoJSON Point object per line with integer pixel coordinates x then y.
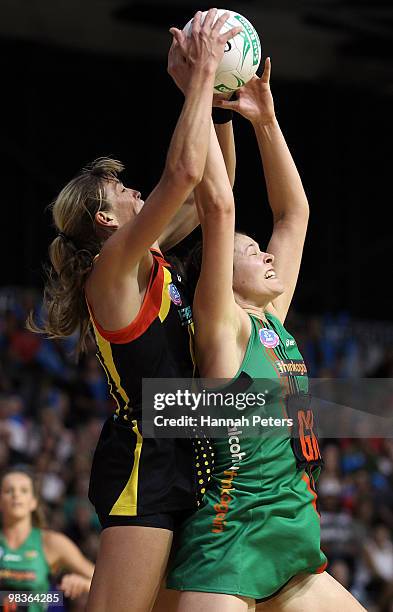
{"type": "Point", "coordinates": [72, 252]}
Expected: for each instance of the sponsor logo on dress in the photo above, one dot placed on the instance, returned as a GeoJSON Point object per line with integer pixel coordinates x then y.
{"type": "Point", "coordinates": [31, 554]}
{"type": "Point", "coordinates": [291, 367]}
{"type": "Point", "coordinates": [185, 315]}
{"type": "Point", "coordinates": [174, 294]}
{"type": "Point", "coordinates": [268, 337]}
{"type": "Point", "coordinates": [12, 557]}
{"type": "Point", "coordinates": [17, 575]}
{"type": "Point", "coordinates": [227, 488]}
{"type": "Point", "coordinates": [290, 342]}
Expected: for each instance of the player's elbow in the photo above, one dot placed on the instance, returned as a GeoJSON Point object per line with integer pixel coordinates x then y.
{"type": "Point", "coordinates": [219, 205]}
{"type": "Point", "coordinates": [188, 174]}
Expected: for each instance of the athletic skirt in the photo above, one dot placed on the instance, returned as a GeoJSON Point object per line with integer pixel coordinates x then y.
{"type": "Point", "coordinates": [258, 525]}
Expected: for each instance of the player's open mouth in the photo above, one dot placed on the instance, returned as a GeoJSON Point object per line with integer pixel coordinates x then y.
{"type": "Point", "coordinates": [270, 274]}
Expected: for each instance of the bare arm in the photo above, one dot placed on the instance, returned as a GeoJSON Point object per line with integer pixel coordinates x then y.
{"type": "Point", "coordinates": [285, 190]}
{"type": "Point", "coordinates": [290, 211]}
{"type": "Point", "coordinates": [187, 152]}
{"type": "Point", "coordinates": [63, 553]}
{"type": "Point", "coordinates": [186, 219]}
{"type": "Point", "coordinates": [226, 140]}
{"type": "Point", "coordinates": [183, 223]}
{"type": "Point", "coordinates": [215, 309]}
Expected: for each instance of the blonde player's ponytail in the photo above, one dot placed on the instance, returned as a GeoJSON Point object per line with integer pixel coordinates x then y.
{"type": "Point", "coordinates": [73, 250]}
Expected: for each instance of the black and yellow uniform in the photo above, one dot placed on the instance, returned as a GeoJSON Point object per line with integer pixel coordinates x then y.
{"type": "Point", "coordinates": [136, 480]}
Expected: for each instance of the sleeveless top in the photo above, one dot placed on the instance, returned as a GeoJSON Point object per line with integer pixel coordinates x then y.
{"type": "Point", "coordinates": [275, 365]}
{"type": "Point", "coordinates": [156, 344]}
{"type": "Point", "coordinates": [25, 568]}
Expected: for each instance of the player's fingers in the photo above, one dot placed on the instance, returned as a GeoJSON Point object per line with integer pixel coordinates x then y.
{"type": "Point", "coordinates": [266, 71]}
{"type": "Point", "coordinates": [250, 82]}
{"type": "Point", "coordinates": [208, 21]}
{"type": "Point", "coordinates": [180, 43]}
{"type": "Point", "coordinates": [196, 22]}
{"type": "Point", "coordinates": [225, 36]}
{"type": "Point", "coordinates": [178, 35]}
{"type": "Point", "coordinates": [220, 22]}
{"type": "Point", "coordinates": [173, 46]}
{"type": "Point", "coordinates": [228, 104]}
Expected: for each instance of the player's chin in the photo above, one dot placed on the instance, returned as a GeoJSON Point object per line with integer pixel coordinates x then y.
{"type": "Point", "coordinates": [276, 287]}
{"type": "Point", "coordinates": [138, 206]}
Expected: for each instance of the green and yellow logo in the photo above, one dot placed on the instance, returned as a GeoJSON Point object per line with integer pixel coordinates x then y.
{"type": "Point", "coordinates": [251, 40]}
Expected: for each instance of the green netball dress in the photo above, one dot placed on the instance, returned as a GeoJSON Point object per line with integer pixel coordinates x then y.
{"type": "Point", "coordinates": [259, 525]}
{"type": "Point", "coordinates": [25, 568]}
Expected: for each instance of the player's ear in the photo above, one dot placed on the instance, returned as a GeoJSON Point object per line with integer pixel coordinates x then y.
{"type": "Point", "coordinates": [105, 219]}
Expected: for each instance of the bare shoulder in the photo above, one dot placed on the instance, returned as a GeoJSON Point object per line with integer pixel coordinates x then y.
{"type": "Point", "coordinates": [48, 536]}
{"type": "Point", "coordinates": [220, 352]}
{"type": "Point", "coordinates": [52, 542]}
{"type": "Point", "coordinates": [116, 298]}
{"type": "Point", "coordinates": [52, 539]}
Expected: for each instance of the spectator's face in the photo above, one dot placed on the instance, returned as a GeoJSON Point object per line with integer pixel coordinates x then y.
{"type": "Point", "coordinates": [381, 535]}
{"type": "Point", "coordinates": [16, 496]}
{"type": "Point", "coordinates": [331, 458]}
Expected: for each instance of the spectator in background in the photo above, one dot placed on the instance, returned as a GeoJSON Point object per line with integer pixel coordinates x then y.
{"type": "Point", "coordinates": [337, 535]}
{"type": "Point", "coordinates": [29, 553]}
{"type": "Point", "coordinates": [378, 557]}
{"type": "Point", "coordinates": [364, 498]}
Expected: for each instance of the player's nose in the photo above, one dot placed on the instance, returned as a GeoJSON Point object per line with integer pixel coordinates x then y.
{"type": "Point", "coordinates": [268, 258]}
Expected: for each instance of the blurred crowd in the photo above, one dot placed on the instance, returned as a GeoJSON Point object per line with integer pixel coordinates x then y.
{"type": "Point", "coordinates": [52, 410]}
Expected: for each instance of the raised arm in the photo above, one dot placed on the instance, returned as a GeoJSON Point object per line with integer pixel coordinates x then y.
{"type": "Point", "coordinates": [186, 219]}
{"type": "Point", "coordinates": [286, 195]}
{"type": "Point", "coordinates": [223, 125]}
{"type": "Point", "coordinates": [197, 55]}
{"type": "Point", "coordinates": [215, 310]}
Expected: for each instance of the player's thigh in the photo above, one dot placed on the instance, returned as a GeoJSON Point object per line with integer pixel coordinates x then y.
{"type": "Point", "coordinates": [191, 601]}
{"type": "Point", "coordinates": [312, 592]}
{"type": "Point", "coordinates": [130, 566]}
{"type": "Point", "coordinates": [167, 600]}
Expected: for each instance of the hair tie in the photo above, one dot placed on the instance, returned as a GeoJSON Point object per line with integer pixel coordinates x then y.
{"type": "Point", "coordinates": [64, 237]}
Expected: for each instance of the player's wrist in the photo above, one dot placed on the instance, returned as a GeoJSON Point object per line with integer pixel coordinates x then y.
{"type": "Point", "coordinates": [264, 123]}
{"type": "Point", "coordinates": [198, 83]}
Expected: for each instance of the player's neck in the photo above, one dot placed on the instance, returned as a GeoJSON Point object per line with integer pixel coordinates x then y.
{"type": "Point", "coordinates": [256, 311]}
{"type": "Point", "coordinates": [16, 531]}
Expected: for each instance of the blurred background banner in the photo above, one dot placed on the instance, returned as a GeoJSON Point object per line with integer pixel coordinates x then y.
{"type": "Point", "coordinates": [82, 80]}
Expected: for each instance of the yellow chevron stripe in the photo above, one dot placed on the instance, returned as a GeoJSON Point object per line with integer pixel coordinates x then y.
{"type": "Point", "coordinates": [109, 367]}
{"type": "Point", "coordinates": [127, 502]}
{"type": "Point", "coordinates": [165, 299]}
{"type": "Point", "coordinates": [191, 346]}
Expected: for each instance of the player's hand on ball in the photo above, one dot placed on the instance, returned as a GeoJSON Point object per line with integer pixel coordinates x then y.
{"type": "Point", "coordinates": [217, 97]}
{"type": "Point", "coordinates": [177, 66]}
{"type": "Point", "coordinates": [204, 48]}
{"type": "Point", "coordinates": [254, 100]}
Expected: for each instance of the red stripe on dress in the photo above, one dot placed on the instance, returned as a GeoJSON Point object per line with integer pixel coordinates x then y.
{"type": "Point", "coordinates": [321, 568]}
{"type": "Point", "coordinates": [306, 479]}
{"type": "Point", "coordinates": [148, 312]}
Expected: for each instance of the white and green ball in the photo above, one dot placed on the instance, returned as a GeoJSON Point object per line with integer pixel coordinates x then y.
{"type": "Point", "coordinates": [242, 54]}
